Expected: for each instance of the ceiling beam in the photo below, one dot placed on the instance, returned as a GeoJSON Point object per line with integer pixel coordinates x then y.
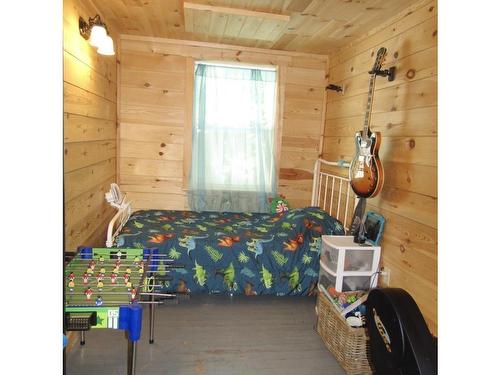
{"type": "Point", "coordinates": [236, 11]}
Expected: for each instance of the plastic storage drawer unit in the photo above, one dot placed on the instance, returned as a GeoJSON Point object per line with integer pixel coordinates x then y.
{"type": "Point", "coordinates": [346, 265]}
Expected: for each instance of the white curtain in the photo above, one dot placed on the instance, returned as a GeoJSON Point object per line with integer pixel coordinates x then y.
{"type": "Point", "coordinates": [233, 166]}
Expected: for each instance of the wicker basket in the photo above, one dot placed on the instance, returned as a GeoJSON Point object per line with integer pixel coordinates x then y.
{"type": "Point", "coordinates": [349, 345]}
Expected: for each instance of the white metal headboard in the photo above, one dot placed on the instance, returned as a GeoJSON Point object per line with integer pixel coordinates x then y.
{"type": "Point", "coordinates": [333, 193]}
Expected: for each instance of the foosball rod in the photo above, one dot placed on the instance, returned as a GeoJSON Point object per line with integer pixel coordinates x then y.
{"type": "Point", "coordinates": [101, 293]}
{"type": "Point", "coordinates": [111, 303]}
{"type": "Point", "coordinates": [95, 273]}
{"type": "Point", "coordinates": [81, 268]}
{"type": "Point", "coordinates": [117, 256]}
{"type": "Point", "coordinates": [118, 275]}
{"type": "Point", "coordinates": [148, 257]}
{"type": "Point", "coordinates": [152, 285]}
{"type": "Point", "coordinates": [98, 293]}
{"type": "Point", "coordinates": [134, 284]}
{"type": "Point", "coordinates": [100, 265]}
{"type": "Point", "coordinates": [117, 284]}
{"type": "Point", "coordinates": [77, 291]}
{"type": "Point", "coordinates": [84, 263]}
{"type": "Point", "coordinates": [156, 272]}
{"type": "Point", "coordinates": [117, 303]}
{"type": "Point", "coordinates": [158, 294]}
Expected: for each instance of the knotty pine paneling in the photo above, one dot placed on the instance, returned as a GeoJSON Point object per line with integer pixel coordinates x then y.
{"type": "Point", "coordinates": [411, 122]}
{"type": "Point", "coordinates": [405, 112]}
{"type": "Point", "coordinates": [314, 26]}
{"type": "Point", "coordinates": [156, 77]}
{"type": "Point", "coordinates": [78, 128]}
{"type": "Point", "coordinates": [90, 97]}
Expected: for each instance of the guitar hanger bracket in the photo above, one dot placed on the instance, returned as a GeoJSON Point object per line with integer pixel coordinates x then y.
{"type": "Point", "coordinates": [335, 88]}
{"type": "Point", "coordinates": [390, 73]}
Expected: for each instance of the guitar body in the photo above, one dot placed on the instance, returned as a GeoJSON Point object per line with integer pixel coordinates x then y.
{"type": "Point", "coordinates": [366, 172]}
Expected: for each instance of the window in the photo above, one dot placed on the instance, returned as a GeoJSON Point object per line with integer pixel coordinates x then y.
{"type": "Point", "coordinates": [234, 111]}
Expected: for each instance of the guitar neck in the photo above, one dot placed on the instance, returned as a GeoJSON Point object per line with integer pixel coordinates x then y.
{"type": "Point", "coordinates": [369, 103]}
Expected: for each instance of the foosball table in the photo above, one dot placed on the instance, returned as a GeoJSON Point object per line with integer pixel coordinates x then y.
{"type": "Point", "coordinates": [107, 287]}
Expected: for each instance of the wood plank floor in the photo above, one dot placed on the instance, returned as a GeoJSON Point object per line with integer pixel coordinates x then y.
{"type": "Point", "coordinates": [210, 334]}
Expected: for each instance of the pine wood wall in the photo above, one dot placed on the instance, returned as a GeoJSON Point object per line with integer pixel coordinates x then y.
{"type": "Point", "coordinates": [156, 89]}
{"type": "Point", "coordinates": [89, 131]}
{"type": "Point", "coordinates": [405, 112]}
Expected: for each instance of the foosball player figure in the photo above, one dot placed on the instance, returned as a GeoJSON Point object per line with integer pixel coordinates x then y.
{"type": "Point", "coordinates": [88, 293]}
{"type": "Point", "coordinates": [98, 301]}
{"type": "Point", "coordinates": [71, 282]}
{"type": "Point", "coordinates": [128, 283]}
{"type": "Point", "coordinates": [141, 267]}
{"type": "Point", "coordinates": [100, 284]}
{"type": "Point", "coordinates": [90, 269]}
{"type": "Point", "coordinates": [85, 278]}
{"type": "Point", "coordinates": [133, 294]}
{"type": "Point", "coordinates": [113, 278]}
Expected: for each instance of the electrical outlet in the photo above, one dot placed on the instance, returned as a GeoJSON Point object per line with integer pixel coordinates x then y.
{"type": "Point", "coordinates": [385, 276]}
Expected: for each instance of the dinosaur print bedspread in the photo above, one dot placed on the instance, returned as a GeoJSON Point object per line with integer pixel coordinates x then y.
{"type": "Point", "coordinates": [238, 253]}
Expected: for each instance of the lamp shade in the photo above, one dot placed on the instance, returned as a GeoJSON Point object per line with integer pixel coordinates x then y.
{"type": "Point", "coordinates": [106, 47]}
{"type": "Point", "coordinates": [97, 35]}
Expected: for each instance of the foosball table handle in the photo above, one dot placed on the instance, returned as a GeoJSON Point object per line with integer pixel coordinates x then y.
{"type": "Point", "coordinates": [130, 319]}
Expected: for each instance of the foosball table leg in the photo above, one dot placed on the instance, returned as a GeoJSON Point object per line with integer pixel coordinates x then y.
{"type": "Point", "coordinates": [152, 317]}
{"type": "Point", "coordinates": [131, 357]}
{"type": "Point", "coordinates": [82, 337]}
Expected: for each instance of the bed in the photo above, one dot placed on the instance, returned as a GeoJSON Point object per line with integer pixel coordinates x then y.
{"type": "Point", "coordinates": [240, 253]}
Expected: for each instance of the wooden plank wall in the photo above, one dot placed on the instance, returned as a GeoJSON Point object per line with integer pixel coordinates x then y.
{"type": "Point", "coordinates": [156, 77]}
{"type": "Point", "coordinates": [89, 131]}
{"type": "Point", "coordinates": [405, 111]}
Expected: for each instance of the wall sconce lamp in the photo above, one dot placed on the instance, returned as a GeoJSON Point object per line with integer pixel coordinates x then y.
{"type": "Point", "coordinates": [96, 32]}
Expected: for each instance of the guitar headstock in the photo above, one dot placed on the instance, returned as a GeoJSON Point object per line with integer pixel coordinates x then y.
{"type": "Point", "coordinates": [380, 58]}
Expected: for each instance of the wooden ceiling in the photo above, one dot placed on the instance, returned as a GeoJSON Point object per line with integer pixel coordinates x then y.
{"type": "Point", "coordinates": [317, 26]}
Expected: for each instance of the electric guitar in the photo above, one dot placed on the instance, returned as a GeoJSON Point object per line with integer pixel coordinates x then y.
{"type": "Point", "coordinates": [366, 172]}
